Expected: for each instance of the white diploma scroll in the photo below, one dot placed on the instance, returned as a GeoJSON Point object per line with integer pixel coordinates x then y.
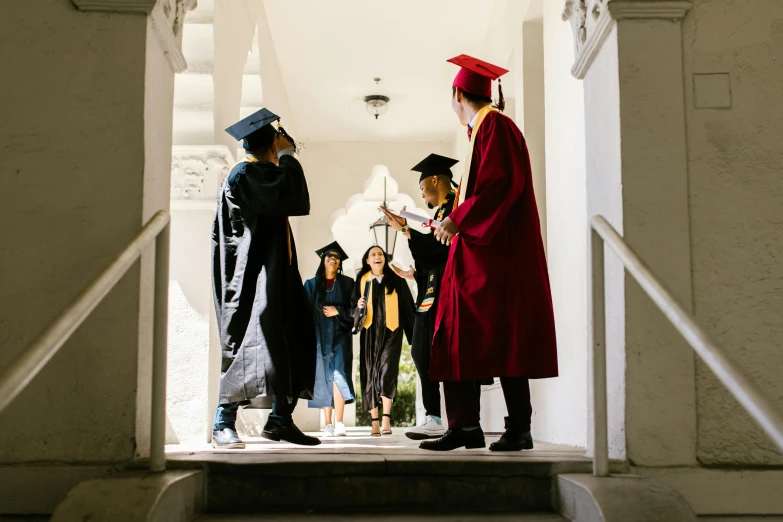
{"type": "Point", "coordinates": [425, 221]}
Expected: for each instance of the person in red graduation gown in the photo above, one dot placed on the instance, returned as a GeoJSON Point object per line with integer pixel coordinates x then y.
{"type": "Point", "coordinates": [495, 317]}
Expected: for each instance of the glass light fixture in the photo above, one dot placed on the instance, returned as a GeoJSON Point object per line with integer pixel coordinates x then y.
{"type": "Point", "coordinates": [376, 104]}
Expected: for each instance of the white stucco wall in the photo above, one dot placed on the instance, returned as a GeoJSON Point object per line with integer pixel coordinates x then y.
{"type": "Point", "coordinates": [560, 404]}
{"type": "Point", "coordinates": [736, 188]}
{"type": "Point", "coordinates": [531, 109]}
{"type": "Point", "coordinates": [158, 116]}
{"type": "Point", "coordinates": [71, 176]}
{"type": "Point", "coordinates": [604, 197]}
{"type": "Point", "coordinates": [190, 314]}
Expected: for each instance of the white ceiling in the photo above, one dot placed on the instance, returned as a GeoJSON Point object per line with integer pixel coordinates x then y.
{"type": "Point", "coordinates": [329, 53]}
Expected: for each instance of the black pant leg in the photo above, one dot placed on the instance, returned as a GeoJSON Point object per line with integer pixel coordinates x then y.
{"type": "Point", "coordinates": [462, 404]}
{"type": "Point", "coordinates": [516, 391]}
{"type": "Point", "coordinates": [420, 351]}
{"type": "Point", "coordinates": [282, 410]}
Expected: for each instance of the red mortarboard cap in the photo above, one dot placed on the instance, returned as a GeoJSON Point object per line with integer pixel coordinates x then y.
{"type": "Point", "coordinates": [475, 76]}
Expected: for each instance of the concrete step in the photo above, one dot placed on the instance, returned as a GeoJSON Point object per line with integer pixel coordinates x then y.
{"type": "Point", "coordinates": [528, 517]}
{"type": "Point", "coordinates": [290, 483]}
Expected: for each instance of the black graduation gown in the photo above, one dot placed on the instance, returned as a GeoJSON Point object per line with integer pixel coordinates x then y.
{"type": "Point", "coordinates": [430, 257]}
{"type": "Point", "coordinates": [379, 357]}
{"type": "Point", "coordinates": [267, 332]}
{"type": "Point", "coordinates": [335, 345]}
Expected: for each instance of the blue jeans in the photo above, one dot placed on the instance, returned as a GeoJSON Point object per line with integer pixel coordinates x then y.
{"type": "Point", "coordinates": [282, 414]}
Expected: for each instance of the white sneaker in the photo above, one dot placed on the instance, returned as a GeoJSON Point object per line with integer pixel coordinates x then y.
{"type": "Point", "coordinates": [329, 431]}
{"type": "Point", "coordinates": [339, 430]}
{"type": "Point", "coordinates": [429, 430]}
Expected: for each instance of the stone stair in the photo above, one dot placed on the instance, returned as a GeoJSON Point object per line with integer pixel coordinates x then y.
{"type": "Point", "coordinates": [530, 517]}
{"type": "Point", "coordinates": [364, 477]}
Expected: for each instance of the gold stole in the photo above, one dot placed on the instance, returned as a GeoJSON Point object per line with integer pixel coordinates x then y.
{"type": "Point", "coordinates": [392, 310]}
{"type": "Point", "coordinates": [253, 159]}
{"type": "Point", "coordinates": [460, 199]}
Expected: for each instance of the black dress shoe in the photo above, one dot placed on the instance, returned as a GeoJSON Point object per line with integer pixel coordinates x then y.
{"type": "Point", "coordinates": [454, 439]}
{"type": "Point", "coordinates": [288, 433]}
{"type": "Point", "coordinates": [513, 440]}
{"type": "Point", "coordinates": [226, 439]}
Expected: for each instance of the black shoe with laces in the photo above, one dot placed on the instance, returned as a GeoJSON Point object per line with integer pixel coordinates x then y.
{"type": "Point", "coordinates": [226, 439]}
{"type": "Point", "coordinates": [288, 433]}
{"type": "Point", "coordinates": [453, 439]}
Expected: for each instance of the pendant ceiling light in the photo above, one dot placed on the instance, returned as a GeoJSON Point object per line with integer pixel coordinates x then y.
{"type": "Point", "coordinates": [376, 104]}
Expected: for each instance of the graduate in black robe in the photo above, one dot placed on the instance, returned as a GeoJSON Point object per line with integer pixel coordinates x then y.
{"type": "Point", "coordinates": [266, 333]}
{"type": "Point", "coordinates": [330, 295]}
{"type": "Point", "coordinates": [430, 257]}
{"type": "Point", "coordinates": [390, 313]}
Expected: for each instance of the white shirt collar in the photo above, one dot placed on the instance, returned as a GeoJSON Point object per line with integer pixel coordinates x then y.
{"type": "Point", "coordinates": [378, 278]}
{"type": "Point", "coordinates": [473, 121]}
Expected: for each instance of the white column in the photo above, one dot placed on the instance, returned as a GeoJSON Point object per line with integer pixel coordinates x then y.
{"type": "Point", "coordinates": [629, 54]}
{"type": "Point", "coordinates": [197, 172]}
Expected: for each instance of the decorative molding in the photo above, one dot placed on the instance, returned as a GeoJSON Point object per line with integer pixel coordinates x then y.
{"type": "Point", "coordinates": [116, 6]}
{"type": "Point", "coordinates": [198, 171]}
{"type": "Point", "coordinates": [673, 10]}
{"type": "Point", "coordinates": [588, 52]}
{"type": "Point", "coordinates": [593, 20]}
{"type": "Point", "coordinates": [168, 19]}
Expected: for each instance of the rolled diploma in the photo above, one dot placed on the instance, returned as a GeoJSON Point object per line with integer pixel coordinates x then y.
{"type": "Point", "coordinates": [424, 220]}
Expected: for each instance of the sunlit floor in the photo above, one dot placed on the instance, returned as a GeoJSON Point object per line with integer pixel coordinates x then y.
{"type": "Point", "coordinates": [360, 442]}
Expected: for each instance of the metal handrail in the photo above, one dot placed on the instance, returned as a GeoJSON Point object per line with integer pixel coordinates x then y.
{"type": "Point", "coordinates": [15, 378]}
{"type": "Point", "coordinates": [747, 392]}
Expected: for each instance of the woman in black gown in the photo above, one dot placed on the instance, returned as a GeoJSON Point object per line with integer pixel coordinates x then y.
{"type": "Point", "coordinates": [390, 312]}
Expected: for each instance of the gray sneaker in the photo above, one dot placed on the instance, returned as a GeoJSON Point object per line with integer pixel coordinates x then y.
{"type": "Point", "coordinates": [429, 430]}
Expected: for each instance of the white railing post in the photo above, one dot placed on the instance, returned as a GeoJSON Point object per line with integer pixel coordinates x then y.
{"type": "Point", "coordinates": [160, 353]}
{"type": "Point", "coordinates": [600, 419]}
{"type": "Point", "coordinates": [30, 361]}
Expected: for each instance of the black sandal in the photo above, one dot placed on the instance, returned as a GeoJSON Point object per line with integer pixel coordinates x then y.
{"type": "Point", "coordinates": [372, 433]}
{"type": "Point", "coordinates": [389, 431]}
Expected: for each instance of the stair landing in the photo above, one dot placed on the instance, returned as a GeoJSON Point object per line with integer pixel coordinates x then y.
{"type": "Point", "coordinates": [390, 474]}
{"type": "Point", "coordinates": [360, 442]}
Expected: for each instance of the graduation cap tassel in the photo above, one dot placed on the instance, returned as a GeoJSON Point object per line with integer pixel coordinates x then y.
{"type": "Point", "coordinates": [501, 105]}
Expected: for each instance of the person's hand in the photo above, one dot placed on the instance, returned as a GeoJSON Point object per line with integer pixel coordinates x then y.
{"type": "Point", "coordinates": [330, 311]}
{"type": "Point", "coordinates": [446, 231]}
{"type": "Point", "coordinates": [283, 142]}
{"type": "Point", "coordinates": [406, 274]}
{"type": "Point", "coordinates": [395, 221]}
{"type": "Point", "coordinates": [362, 303]}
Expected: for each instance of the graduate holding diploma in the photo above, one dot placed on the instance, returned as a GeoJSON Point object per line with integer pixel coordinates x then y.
{"type": "Point", "coordinates": [430, 255]}
{"type": "Point", "coordinates": [495, 315]}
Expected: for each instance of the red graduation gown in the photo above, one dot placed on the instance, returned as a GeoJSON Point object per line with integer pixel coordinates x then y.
{"type": "Point", "coordinates": [495, 315]}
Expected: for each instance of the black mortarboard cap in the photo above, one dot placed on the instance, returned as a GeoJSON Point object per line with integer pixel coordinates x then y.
{"type": "Point", "coordinates": [435, 165]}
{"type": "Point", "coordinates": [334, 246]}
{"type": "Point", "coordinates": [244, 129]}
